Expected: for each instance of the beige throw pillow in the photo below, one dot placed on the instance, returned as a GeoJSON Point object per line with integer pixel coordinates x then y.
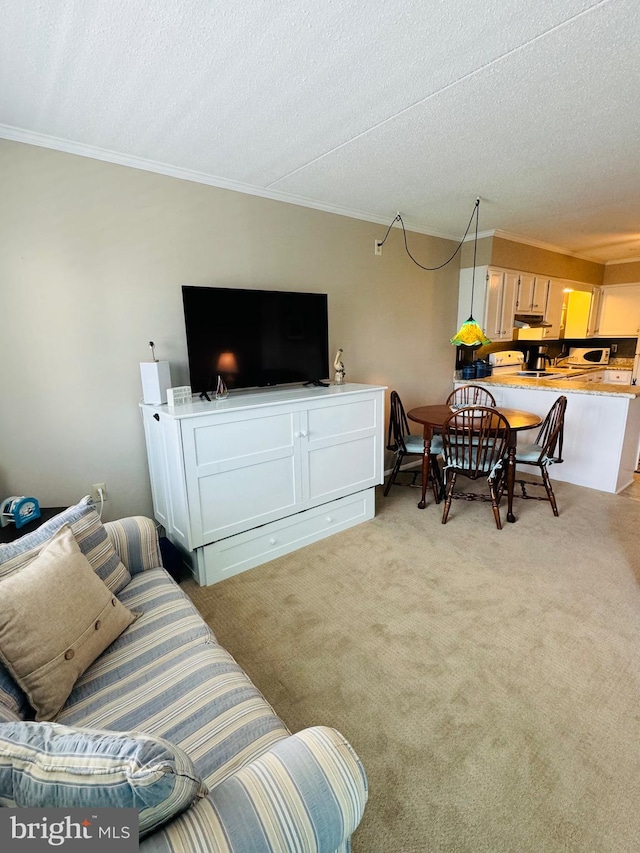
{"type": "Point", "coordinates": [56, 618]}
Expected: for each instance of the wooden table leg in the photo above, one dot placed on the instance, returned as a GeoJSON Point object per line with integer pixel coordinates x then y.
{"type": "Point", "coordinates": [425, 465]}
{"type": "Point", "coordinates": [511, 481]}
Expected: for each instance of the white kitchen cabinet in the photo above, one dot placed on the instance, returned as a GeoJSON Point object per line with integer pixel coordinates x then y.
{"type": "Point", "coordinates": [620, 311]}
{"type": "Point", "coordinates": [500, 303]}
{"type": "Point", "coordinates": [240, 481]}
{"type": "Point", "coordinates": [498, 294]}
{"type": "Point", "coordinates": [553, 309]}
{"type": "Point", "coordinates": [531, 297]}
{"type": "Point", "coordinates": [617, 377]}
{"type": "Point", "coordinates": [593, 323]}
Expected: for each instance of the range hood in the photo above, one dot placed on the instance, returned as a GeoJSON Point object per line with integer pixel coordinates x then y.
{"type": "Point", "coordinates": [529, 321]}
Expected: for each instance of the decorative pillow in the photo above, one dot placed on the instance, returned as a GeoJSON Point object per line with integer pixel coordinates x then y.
{"type": "Point", "coordinates": [48, 764]}
{"type": "Point", "coordinates": [56, 617]}
{"type": "Point", "coordinates": [12, 696]}
{"type": "Point", "coordinates": [8, 716]}
{"type": "Point", "coordinates": [90, 535]}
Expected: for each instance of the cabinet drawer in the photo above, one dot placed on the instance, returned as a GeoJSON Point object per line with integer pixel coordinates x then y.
{"type": "Point", "coordinates": [236, 554]}
{"type": "Point", "coordinates": [618, 377]}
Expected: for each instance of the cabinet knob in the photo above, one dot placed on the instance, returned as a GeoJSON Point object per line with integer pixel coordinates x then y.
{"type": "Point", "coordinates": [273, 541]}
{"type": "Point", "coordinates": [156, 417]}
{"type": "Point", "coordinates": [304, 433]}
{"type": "Point", "coordinates": [296, 435]}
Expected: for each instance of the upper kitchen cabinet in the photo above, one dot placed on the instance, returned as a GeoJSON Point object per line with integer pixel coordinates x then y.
{"type": "Point", "coordinates": [553, 309]}
{"type": "Point", "coordinates": [494, 296]}
{"type": "Point", "coordinates": [569, 309]}
{"type": "Point", "coordinates": [595, 313]}
{"type": "Point", "coordinates": [582, 311]}
{"type": "Point", "coordinates": [619, 311]}
{"type": "Point", "coordinates": [532, 294]}
{"type": "Point", "coordinates": [500, 304]}
{"type": "Point", "coordinates": [577, 311]}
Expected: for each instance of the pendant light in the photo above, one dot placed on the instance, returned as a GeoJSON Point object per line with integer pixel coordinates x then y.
{"type": "Point", "coordinates": [470, 334]}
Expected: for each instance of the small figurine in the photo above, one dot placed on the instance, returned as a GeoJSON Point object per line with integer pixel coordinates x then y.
{"type": "Point", "coordinates": [339, 368]}
{"type": "Point", "coordinates": [221, 389]}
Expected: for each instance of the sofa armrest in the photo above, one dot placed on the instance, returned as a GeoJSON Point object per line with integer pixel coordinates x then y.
{"type": "Point", "coordinates": [136, 541]}
{"type": "Point", "coordinates": [306, 794]}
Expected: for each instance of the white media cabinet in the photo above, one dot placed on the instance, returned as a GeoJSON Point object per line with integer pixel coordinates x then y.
{"type": "Point", "coordinates": [239, 481]}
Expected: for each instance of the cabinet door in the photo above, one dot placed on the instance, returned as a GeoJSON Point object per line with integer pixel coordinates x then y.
{"type": "Point", "coordinates": [593, 326]}
{"type": "Point", "coordinates": [156, 457]}
{"type": "Point", "coordinates": [472, 286]}
{"type": "Point", "coordinates": [526, 288]}
{"type": "Point", "coordinates": [500, 305]}
{"type": "Point", "coordinates": [620, 311]}
{"type": "Point", "coordinates": [240, 470]}
{"type": "Point", "coordinates": [164, 453]}
{"type": "Point", "coordinates": [540, 294]}
{"type": "Point", "coordinates": [578, 311]}
{"type": "Point", "coordinates": [509, 296]}
{"type": "Point", "coordinates": [553, 309]}
{"type": "Point", "coordinates": [341, 451]}
{"type": "Point", "coordinates": [493, 310]}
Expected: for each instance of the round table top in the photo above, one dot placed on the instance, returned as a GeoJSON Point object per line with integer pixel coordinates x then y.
{"type": "Point", "coordinates": [435, 416]}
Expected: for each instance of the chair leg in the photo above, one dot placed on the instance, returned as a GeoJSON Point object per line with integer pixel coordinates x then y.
{"type": "Point", "coordinates": [449, 492]}
{"type": "Point", "coordinates": [495, 505]}
{"type": "Point", "coordinates": [394, 473]}
{"type": "Point", "coordinates": [436, 479]}
{"type": "Point", "coordinates": [547, 485]}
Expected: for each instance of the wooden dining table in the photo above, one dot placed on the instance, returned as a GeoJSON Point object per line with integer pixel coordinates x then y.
{"type": "Point", "coordinates": [433, 417]}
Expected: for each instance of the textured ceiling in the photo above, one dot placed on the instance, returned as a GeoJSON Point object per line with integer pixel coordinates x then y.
{"type": "Point", "coordinates": [366, 108]}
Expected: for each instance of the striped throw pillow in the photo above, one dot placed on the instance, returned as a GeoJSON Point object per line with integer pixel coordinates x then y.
{"type": "Point", "coordinates": [88, 532]}
{"type": "Point", "coordinates": [48, 764]}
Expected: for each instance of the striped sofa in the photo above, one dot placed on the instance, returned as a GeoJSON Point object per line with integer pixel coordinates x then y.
{"type": "Point", "coordinates": [166, 675]}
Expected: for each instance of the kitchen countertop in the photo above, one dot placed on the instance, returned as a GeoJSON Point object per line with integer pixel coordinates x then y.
{"type": "Point", "coordinates": [573, 386]}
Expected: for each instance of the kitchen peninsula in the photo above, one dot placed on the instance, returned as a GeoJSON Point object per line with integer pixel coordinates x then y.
{"type": "Point", "coordinates": [602, 425]}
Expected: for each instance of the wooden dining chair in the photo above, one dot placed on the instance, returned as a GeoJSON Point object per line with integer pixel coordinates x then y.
{"type": "Point", "coordinates": [546, 449]}
{"type": "Point", "coordinates": [475, 441]}
{"type": "Point", "coordinates": [401, 442]}
{"type": "Point", "coordinates": [471, 395]}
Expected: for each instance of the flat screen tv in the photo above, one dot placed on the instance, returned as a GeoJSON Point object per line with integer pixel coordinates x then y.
{"type": "Point", "coordinates": [255, 338]}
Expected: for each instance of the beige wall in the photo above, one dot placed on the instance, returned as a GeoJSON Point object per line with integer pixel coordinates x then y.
{"type": "Point", "coordinates": [628, 273]}
{"type": "Point", "coordinates": [484, 253]}
{"type": "Point", "coordinates": [520, 256]}
{"type": "Point", "coordinates": [92, 258]}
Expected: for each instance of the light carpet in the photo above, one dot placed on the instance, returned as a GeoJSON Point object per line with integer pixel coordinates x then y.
{"type": "Point", "coordinates": [489, 680]}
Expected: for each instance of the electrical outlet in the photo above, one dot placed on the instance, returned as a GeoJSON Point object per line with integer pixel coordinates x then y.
{"type": "Point", "coordinates": [95, 492]}
{"type": "Point", "coordinates": [377, 247]}
{"type": "Point", "coordinates": [614, 347]}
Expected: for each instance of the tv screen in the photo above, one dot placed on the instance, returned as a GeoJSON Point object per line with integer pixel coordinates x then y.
{"type": "Point", "coordinates": [254, 338]}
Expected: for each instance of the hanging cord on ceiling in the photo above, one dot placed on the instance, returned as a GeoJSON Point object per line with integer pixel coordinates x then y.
{"type": "Point", "coordinates": [476, 210]}
{"type": "Point", "coordinates": [398, 218]}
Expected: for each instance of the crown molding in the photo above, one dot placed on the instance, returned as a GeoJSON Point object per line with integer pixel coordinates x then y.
{"type": "Point", "coordinates": [624, 261]}
{"type": "Point", "coordinates": [29, 137]}
{"type": "Point", "coordinates": [549, 247]}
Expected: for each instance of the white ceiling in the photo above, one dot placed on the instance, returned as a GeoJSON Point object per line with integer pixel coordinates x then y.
{"type": "Point", "coordinates": [365, 108]}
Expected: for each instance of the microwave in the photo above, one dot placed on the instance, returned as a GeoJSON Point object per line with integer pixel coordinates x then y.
{"type": "Point", "coordinates": [588, 355]}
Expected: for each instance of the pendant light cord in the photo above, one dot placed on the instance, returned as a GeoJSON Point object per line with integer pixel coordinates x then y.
{"type": "Point", "coordinates": [476, 210]}
{"type": "Point", "coordinates": [398, 218]}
